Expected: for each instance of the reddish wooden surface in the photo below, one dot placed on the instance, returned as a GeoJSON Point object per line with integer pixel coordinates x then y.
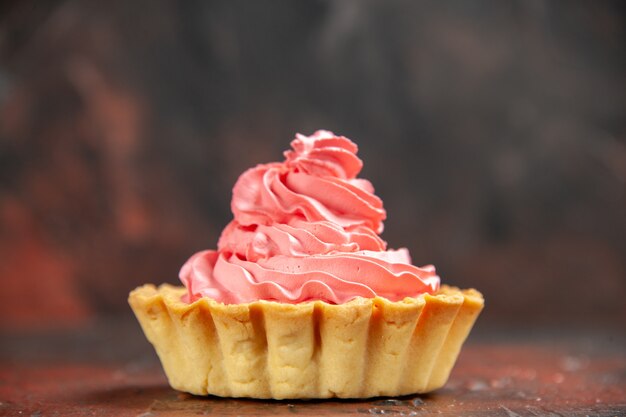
{"type": "Point", "coordinates": [547, 376]}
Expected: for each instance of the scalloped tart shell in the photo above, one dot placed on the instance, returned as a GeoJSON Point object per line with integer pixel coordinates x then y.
{"type": "Point", "coordinates": [264, 349]}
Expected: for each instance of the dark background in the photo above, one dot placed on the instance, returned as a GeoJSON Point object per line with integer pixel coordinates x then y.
{"type": "Point", "coordinates": [493, 130]}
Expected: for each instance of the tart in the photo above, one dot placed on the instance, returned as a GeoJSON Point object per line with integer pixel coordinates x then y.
{"type": "Point", "coordinates": [302, 298]}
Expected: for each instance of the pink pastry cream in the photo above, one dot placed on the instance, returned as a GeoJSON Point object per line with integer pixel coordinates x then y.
{"type": "Point", "coordinates": [306, 229]}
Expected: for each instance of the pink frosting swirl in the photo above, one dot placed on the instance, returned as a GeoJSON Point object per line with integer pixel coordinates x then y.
{"type": "Point", "coordinates": [305, 229]}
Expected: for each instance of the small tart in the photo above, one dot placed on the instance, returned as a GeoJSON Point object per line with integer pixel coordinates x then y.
{"type": "Point", "coordinates": [364, 348]}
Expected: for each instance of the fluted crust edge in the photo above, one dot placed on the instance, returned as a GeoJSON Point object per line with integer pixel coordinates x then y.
{"type": "Point", "coordinates": [264, 349]}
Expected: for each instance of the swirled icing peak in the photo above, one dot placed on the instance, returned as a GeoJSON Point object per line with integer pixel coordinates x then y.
{"type": "Point", "coordinates": [306, 229]}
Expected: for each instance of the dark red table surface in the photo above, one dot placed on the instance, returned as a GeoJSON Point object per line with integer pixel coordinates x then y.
{"type": "Point", "coordinates": [108, 369]}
